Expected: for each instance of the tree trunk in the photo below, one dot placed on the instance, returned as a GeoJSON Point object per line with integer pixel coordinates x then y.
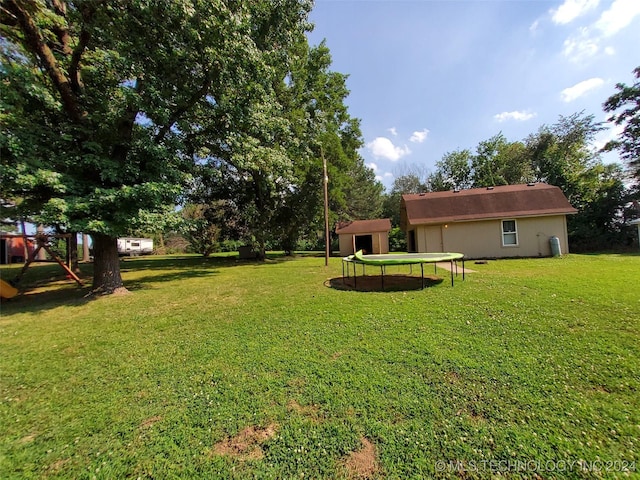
{"type": "Point", "coordinates": [73, 253]}
{"type": "Point", "coordinates": [25, 243]}
{"type": "Point", "coordinates": [161, 250]}
{"type": "Point", "coordinates": [106, 265]}
{"type": "Point", "coordinates": [42, 253]}
{"type": "Point", "coordinates": [85, 248]}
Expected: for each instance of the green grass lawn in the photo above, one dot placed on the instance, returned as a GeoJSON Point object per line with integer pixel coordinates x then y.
{"type": "Point", "coordinates": [215, 368]}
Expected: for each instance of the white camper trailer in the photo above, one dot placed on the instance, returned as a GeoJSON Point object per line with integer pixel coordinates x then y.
{"type": "Point", "coordinates": [135, 246]}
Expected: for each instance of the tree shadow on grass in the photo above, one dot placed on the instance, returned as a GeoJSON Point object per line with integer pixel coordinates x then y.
{"type": "Point", "coordinates": [129, 264]}
{"type": "Point", "coordinates": [375, 283]}
{"type": "Point", "coordinates": [34, 300]}
{"type": "Point", "coordinates": [146, 282]}
{"type": "Point", "coordinates": [45, 286]}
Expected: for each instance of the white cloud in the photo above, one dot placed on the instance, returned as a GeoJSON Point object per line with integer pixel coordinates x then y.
{"type": "Point", "coordinates": [618, 16]}
{"type": "Point", "coordinates": [581, 46]}
{"type": "Point", "coordinates": [533, 28]}
{"type": "Point", "coordinates": [587, 41]}
{"type": "Point", "coordinates": [373, 166]}
{"type": "Point", "coordinates": [611, 133]}
{"type": "Point", "coordinates": [579, 89]}
{"type": "Point", "coordinates": [572, 9]}
{"type": "Point", "coordinates": [386, 176]}
{"type": "Point", "coordinates": [382, 147]}
{"type": "Point", "coordinates": [420, 136]}
{"type": "Point", "coordinates": [519, 116]}
{"type": "Point", "coordinates": [393, 131]}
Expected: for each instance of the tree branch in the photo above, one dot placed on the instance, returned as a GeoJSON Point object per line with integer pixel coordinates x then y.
{"type": "Point", "coordinates": [184, 108]}
{"type": "Point", "coordinates": [62, 33]}
{"type": "Point", "coordinates": [83, 41]}
{"type": "Point", "coordinates": [38, 47]}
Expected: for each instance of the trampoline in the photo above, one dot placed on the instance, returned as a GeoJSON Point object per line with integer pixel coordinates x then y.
{"type": "Point", "coordinates": [400, 259]}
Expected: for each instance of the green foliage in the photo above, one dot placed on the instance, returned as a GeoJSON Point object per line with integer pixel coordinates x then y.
{"type": "Point", "coordinates": [108, 106]}
{"type": "Point", "coordinates": [526, 360]}
{"type": "Point", "coordinates": [272, 168]}
{"type": "Point", "coordinates": [560, 155]}
{"type": "Point", "coordinates": [210, 227]}
{"type": "Point", "coordinates": [409, 182]}
{"type": "Point", "coordinates": [624, 106]}
{"type": "Point", "coordinates": [397, 240]}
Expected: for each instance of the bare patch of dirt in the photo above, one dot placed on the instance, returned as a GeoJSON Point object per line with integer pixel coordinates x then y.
{"type": "Point", "coordinates": [452, 377]}
{"type": "Point", "coordinates": [311, 411]}
{"type": "Point", "coordinates": [297, 382]}
{"type": "Point", "coordinates": [362, 464]}
{"type": "Point", "coordinates": [150, 421]}
{"type": "Point", "coordinates": [121, 291]}
{"type": "Point", "coordinates": [58, 465]}
{"type": "Point", "coordinates": [246, 444]}
{"type": "Point", "coordinates": [98, 292]}
{"type": "Point", "coordinates": [27, 439]}
{"type": "Point", "coordinates": [474, 416]}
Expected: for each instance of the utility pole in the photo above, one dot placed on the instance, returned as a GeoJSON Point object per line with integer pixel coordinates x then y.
{"type": "Point", "coordinates": [327, 241]}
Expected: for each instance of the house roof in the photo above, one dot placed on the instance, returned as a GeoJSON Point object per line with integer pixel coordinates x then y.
{"type": "Point", "coordinates": [364, 226]}
{"type": "Point", "coordinates": [506, 201]}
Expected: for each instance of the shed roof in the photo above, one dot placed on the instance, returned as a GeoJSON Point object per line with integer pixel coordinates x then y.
{"type": "Point", "coordinates": [364, 226]}
{"type": "Point", "coordinates": [528, 200]}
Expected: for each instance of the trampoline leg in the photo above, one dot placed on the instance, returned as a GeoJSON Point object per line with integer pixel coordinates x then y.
{"type": "Point", "coordinates": [422, 274]}
{"type": "Point", "coordinates": [355, 277]}
{"type": "Point", "coordinates": [463, 268]}
{"type": "Point", "coordinates": [382, 275]}
{"type": "Point", "coordinates": [451, 266]}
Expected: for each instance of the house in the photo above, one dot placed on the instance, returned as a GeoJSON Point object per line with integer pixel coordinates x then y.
{"type": "Point", "coordinates": [492, 222]}
{"type": "Point", "coordinates": [371, 236]}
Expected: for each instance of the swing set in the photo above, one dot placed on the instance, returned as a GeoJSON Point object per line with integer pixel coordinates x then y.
{"type": "Point", "coordinates": [42, 241]}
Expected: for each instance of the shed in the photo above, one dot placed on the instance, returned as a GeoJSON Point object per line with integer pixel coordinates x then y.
{"type": "Point", "coordinates": [370, 236]}
{"type": "Point", "coordinates": [493, 222]}
{"type": "Point", "coordinates": [12, 248]}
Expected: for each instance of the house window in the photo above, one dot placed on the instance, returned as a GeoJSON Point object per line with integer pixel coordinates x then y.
{"type": "Point", "coordinates": [509, 233]}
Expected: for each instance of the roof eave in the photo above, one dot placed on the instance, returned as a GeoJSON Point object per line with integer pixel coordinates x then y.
{"type": "Point", "coordinates": [441, 220]}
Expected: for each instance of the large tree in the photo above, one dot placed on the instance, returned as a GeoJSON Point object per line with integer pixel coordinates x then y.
{"type": "Point", "coordinates": [283, 203]}
{"type": "Point", "coordinates": [105, 104]}
{"type": "Point", "coordinates": [624, 106]}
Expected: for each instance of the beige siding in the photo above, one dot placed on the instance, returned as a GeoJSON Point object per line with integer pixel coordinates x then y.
{"type": "Point", "coordinates": [483, 239]}
{"type": "Point", "coordinates": [346, 244]}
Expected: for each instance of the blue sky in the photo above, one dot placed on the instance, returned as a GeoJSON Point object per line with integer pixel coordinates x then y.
{"type": "Point", "coordinates": [433, 76]}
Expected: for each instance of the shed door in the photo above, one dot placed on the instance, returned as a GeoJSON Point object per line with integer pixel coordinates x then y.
{"type": "Point", "coordinates": [3, 251]}
{"type": "Point", "coordinates": [364, 243]}
{"type": "Point", "coordinates": [411, 241]}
